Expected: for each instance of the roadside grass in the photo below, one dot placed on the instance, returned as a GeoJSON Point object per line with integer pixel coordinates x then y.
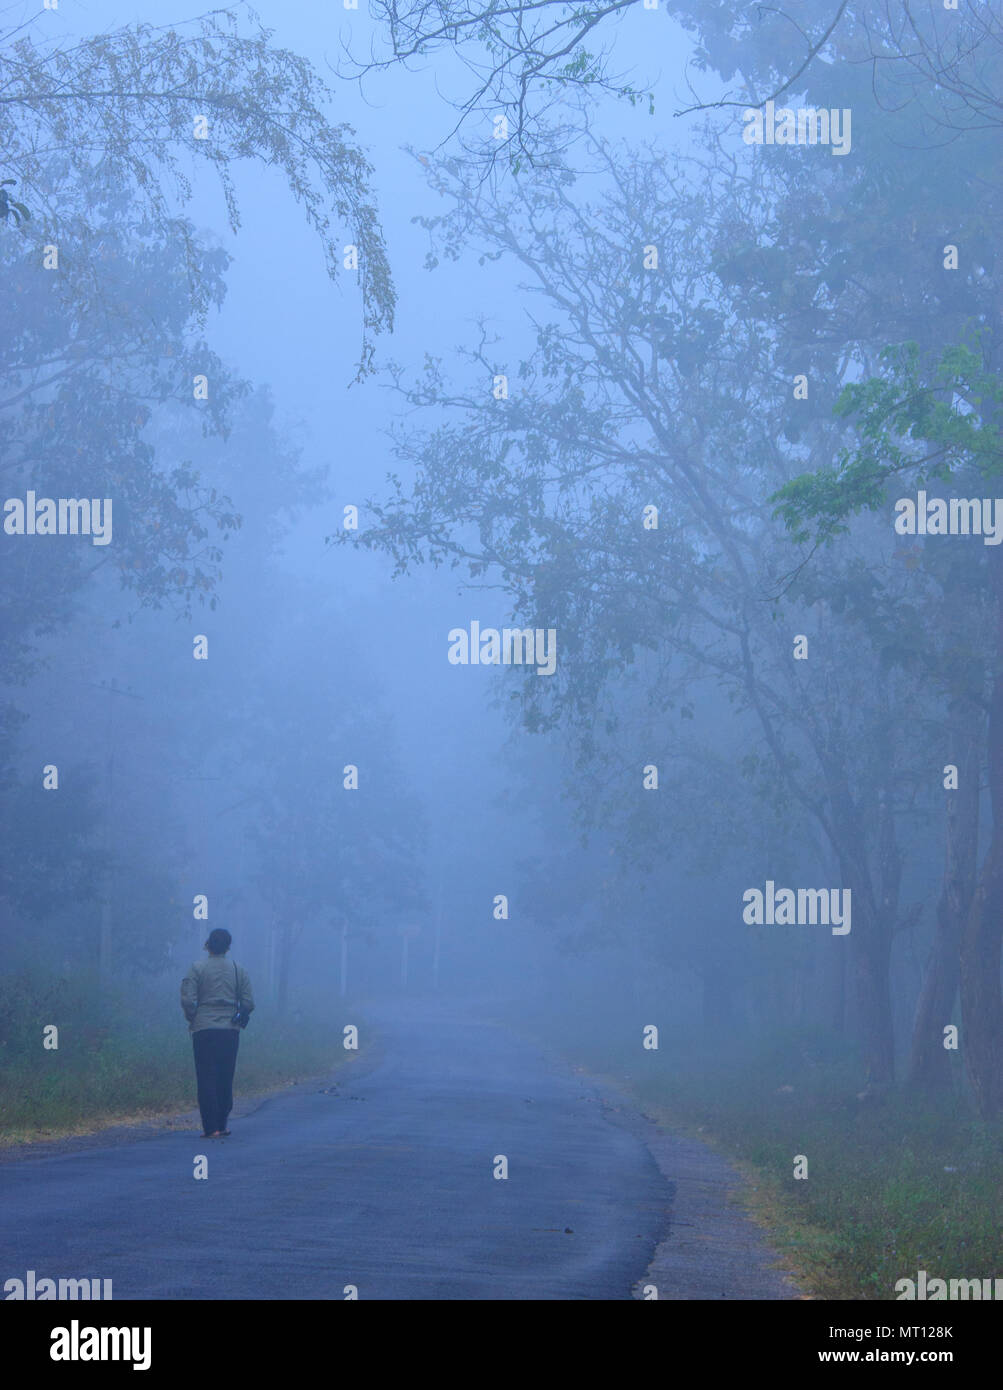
{"type": "Point", "coordinates": [117, 1065]}
{"type": "Point", "coordinates": [895, 1183]}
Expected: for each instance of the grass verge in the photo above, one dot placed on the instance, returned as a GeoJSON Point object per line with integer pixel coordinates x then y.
{"type": "Point", "coordinates": [896, 1182]}
{"type": "Point", "coordinates": [114, 1065]}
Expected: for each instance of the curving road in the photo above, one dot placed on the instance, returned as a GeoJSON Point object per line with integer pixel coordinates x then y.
{"type": "Point", "coordinates": [383, 1181]}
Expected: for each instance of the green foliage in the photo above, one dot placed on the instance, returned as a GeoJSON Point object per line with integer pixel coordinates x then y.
{"type": "Point", "coordinates": [916, 420]}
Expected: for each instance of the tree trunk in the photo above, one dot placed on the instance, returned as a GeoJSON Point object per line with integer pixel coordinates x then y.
{"type": "Point", "coordinates": [839, 992]}
{"type": "Point", "coordinates": [981, 1008]}
{"type": "Point", "coordinates": [929, 1065]}
{"type": "Point", "coordinates": [872, 977]}
{"type": "Point", "coordinates": [284, 944]}
{"type": "Point", "coordinates": [982, 938]}
{"type": "Point", "coordinates": [873, 914]}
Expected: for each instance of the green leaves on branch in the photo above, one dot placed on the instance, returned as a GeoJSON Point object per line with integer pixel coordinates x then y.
{"type": "Point", "coordinates": [916, 421]}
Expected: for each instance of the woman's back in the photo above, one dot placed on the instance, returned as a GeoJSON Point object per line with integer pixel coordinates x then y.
{"type": "Point", "coordinates": [211, 990]}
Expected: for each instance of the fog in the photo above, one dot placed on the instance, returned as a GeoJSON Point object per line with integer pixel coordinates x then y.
{"type": "Point", "coordinates": [538, 634]}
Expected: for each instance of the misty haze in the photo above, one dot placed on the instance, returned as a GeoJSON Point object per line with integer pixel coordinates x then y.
{"type": "Point", "coordinates": [501, 727]}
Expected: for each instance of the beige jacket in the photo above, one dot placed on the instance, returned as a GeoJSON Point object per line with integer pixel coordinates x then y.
{"type": "Point", "coordinates": [210, 990]}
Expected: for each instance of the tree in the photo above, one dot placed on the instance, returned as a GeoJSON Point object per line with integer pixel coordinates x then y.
{"type": "Point", "coordinates": [948, 62]}
{"type": "Point", "coordinates": [532, 61]}
{"type": "Point", "coordinates": [142, 104]}
{"type": "Point", "coordinates": [526, 57]}
{"type": "Point", "coordinates": [80, 392]}
{"type": "Point", "coordinates": [528, 60]}
{"type": "Point", "coordinates": [660, 385]}
{"type": "Point", "coordinates": [328, 858]}
{"type": "Point", "coordinates": [924, 421]}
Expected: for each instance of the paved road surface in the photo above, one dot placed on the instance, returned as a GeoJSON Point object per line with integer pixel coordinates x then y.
{"type": "Point", "coordinates": [386, 1183]}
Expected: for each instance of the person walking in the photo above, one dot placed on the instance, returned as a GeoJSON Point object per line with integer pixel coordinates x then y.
{"type": "Point", "coordinates": [217, 1000]}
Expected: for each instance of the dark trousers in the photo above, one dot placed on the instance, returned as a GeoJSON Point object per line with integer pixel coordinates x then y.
{"type": "Point", "coordinates": [215, 1062]}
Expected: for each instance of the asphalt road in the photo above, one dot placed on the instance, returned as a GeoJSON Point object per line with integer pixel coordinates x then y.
{"type": "Point", "coordinates": [385, 1183]}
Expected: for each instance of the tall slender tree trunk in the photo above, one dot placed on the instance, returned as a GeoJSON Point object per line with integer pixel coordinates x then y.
{"type": "Point", "coordinates": [284, 951]}
{"type": "Point", "coordinates": [872, 978]}
{"type": "Point", "coordinates": [873, 914]}
{"type": "Point", "coordinates": [982, 938]}
{"type": "Point", "coordinates": [929, 1065]}
{"type": "Point", "coordinates": [838, 976]}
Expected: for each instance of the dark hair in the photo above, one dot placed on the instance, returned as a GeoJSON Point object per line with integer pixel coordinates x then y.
{"type": "Point", "coordinates": [218, 941]}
